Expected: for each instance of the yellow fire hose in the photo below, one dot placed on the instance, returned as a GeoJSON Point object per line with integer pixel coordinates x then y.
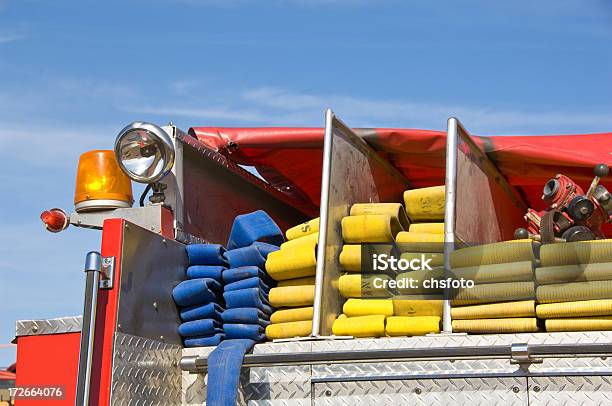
{"type": "Point", "coordinates": [574, 273]}
{"type": "Point", "coordinates": [363, 326]}
{"type": "Point", "coordinates": [493, 292]}
{"type": "Point", "coordinates": [425, 204]}
{"type": "Point", "coordinates": [289, 329]}
{"type": "Point", "coordinates": [414, 237]}
{"type": "Point", "coordinates": [580, 252]}
{"type": "Point", "coordinates": [496, 273]}
{"type": "Point", "coordinates": [436, 259]}
{"type": "Point", "coordinates": [307, 239]}
{"type": "Point", "coordinates": [496, 253]}
{"type": "Point", "coordinates": [369, 228]}
{"type": "Point", "coordinates": [428, 228]}
{"type": "Point", "coordinates": [491, 326]}
{"type": "Point", "coordinates": [572, 292]}
{"type": "Point", "coordinates": [524, 308]}
{"type": "Point", "coordinates": [418, 278]}
{"type": "Point", "coordinates": [579, 324]}
{"type": "Point", "coordinates": [289, 315]}
{"type": "Point", "coordinates": [368, 307]}
{"type": "Point", "coordinates": [350, 258]}
{"type": "Point", "coordinates": [583, 308]}
{"type": "Point", "coordinates": [412, 326]}
{"type": "Point", "coordinates": [298, 262]}
{"type": "Point", "coordinates": [306, 280]}
{"type": "Point", "coordinates": [418, 305]}
{"type": "Point", "coordinates": [303, 229]}
{"type": "Point", "coordinates": [292, 296]}
{"type": "Point", "coordinates": [394, 210]}
{"type": "Point", "coordinates": [358, 286]}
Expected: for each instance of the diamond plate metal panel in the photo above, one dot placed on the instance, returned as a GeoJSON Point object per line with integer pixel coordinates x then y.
{"type": "Point", "coordinates": [287, 385]}
{"type": "Point", "coordinates": [49, 326]}
{"type": "Point", "coordinates": [414, 369]}
{"type": "Point", "coordinates": [570, 390]}
{"type": "Point", "coordinates": [463, 340]}
{"type": "Point", "coordinates": [471, 391]}
{"type": "Point", "coordinates": [145, 372]}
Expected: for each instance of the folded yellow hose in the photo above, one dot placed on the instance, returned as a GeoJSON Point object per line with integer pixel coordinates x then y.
{"type": "Point", "coordinates": [289, 315]}
{"type": "Point", "coordinates": [394, 210]}
{"type": "Point", "coordinates": [369, 228]}
{"type": "Point", "coordinates": [303, 229]}
{"type": "Point", "coordinates": [583, 308]}
{"type": "Point", "coordinates": [572, 292]}
{"type": "Point", "coordinates": [493, 292]}
{"type": "Point", "coordinates": [363, 326]}
{"type": "Point", "coordinates": [418, 278]}
{"type": "Point", "coordinates": [414, 237]}
{"type": "Point", "coordinates": [495, 311]}
{"type": "Point", "coordinates": [580, 252]}
{"type": "Point", "coordinates": [292, 296]}
{"type": "Point", "coordinates": [412, 326]}
{"type": "Point", "coordinates": [485, 326]}
{"type": "Point", "coordinates": [356, 285]}
{"type": "Point", "coordinates": [306, 280]}
{"type": "Point", "coordinates": [496, 253]}
{"type": "Point", "coordinates": [436, 259]}
{"type": "Point", "coordinates": [311, 239]}
{"type": "Point", "coordinates": [429, 228]}
{"type": "Point", "coordinates": [292, 263]}
{"type": "Point", "coordinates": [289, 330]}
{"type": "Point", "coordinates": [425, 204]}
{"type": "Point", "coordinates": [350, 258]}
{"type": "Point", "coordinates": [368, 307]}
{"type": "Point", "coordinates": [421, 247]}
{"type": "Point", "coordinates": [419, 306]}
{"type": "Point", "coordinates": [496, 273]}
{"type": "Point", "coordinates": [574, 273]}
{"type": "Point", "coordinates": [579, 324]}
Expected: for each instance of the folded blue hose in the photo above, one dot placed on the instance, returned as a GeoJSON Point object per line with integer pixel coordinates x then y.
{"type": "Point", "coordinates": [250, 331]}
{"type": "Point", "coordinates": [205, 271]}
{"type": "Point", "coordinates": [251, 297]}
{"type": "Point", "coordinates": [224, 364]}
{"type": "Point", "coordinates": [251, 227]}
{"type": "Point", "coordinates": [253, 282]}
{"type": "Point", "coordinates": [245, 256]}
{"type": "Point", "coordinates": [207, 311]}
{"type": "Point", "coordinates": [198, 328]}
{"type": "Point", "coordinates": [196, 291]}
{"type": "Point", "coordinates": [265, 248]}
{"type": "Point", "coordinates": [245, 315]}
{"type": "Point", "coordinates": [244, 272]}
{"type": "Point", "coordinates": [208, 341]}
{"type": "Point", "coordinates": [206, 254]}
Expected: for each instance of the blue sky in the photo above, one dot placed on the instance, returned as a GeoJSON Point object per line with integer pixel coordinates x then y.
{"type": "Point", "coordinates": [72, 75]}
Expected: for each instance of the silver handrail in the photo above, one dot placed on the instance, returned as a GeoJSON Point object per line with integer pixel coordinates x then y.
{"type": "Point", "coordinates": [93, 266]}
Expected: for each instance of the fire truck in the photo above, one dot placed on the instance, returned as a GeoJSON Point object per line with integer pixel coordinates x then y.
{"type": "Point", "coordinates": [125, 349]}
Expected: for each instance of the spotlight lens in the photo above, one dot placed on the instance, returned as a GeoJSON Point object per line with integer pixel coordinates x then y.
{"type": "Point", "coordinates": [145, 152]}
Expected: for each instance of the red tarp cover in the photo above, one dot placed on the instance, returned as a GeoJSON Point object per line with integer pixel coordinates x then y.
{"type": "Point", "coordinates": [293, 156]}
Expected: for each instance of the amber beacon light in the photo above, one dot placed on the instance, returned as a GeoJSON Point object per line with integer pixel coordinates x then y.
{"type": "Point", "coordinates": [100, 183]}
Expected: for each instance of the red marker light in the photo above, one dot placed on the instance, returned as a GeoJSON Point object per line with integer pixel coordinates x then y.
{"type": "Point", "coordinates": [55, 220]}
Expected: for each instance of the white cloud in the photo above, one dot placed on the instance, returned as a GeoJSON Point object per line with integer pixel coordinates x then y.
{"type": "Point", "coordinates": [6, 38]}
{"type": "Point", "coordinates": [279, 106]}
{"type": "Point", "coordinates": [52, 147]}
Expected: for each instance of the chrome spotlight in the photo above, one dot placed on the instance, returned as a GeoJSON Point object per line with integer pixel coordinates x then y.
{"type": "Point", "coordinates": [144, 152]}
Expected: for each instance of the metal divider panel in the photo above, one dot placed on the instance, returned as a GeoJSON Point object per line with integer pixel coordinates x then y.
{"type": "Point", "coordinates": [216, 190]}
{"type": "Point", "coordinates": [151, 267]}
{"type": "Point", "coordinates": [487, 208]}
{"type": "Point", "coordinates": [469, 391]}
{"type": "Point", "coordinates": [352, 173]}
